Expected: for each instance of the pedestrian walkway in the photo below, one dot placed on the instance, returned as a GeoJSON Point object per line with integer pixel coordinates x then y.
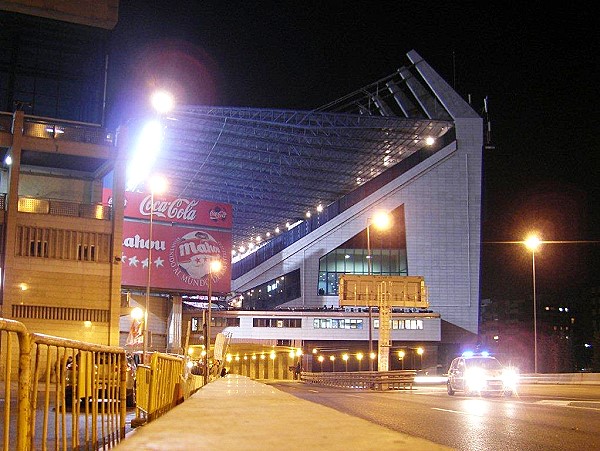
{"type": "Point", "coordinates": [237, 413]}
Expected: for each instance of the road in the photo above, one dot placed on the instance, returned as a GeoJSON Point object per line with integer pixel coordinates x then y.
{"type": "Point", "coordinates": [539, 417]}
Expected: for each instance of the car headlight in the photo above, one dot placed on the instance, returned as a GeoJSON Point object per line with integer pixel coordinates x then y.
{"type": "Point", "coordinates": [510, 378]}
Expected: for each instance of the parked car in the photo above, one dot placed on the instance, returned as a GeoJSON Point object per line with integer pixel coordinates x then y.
{"type": "Point", "coordinates": [98, 370]}
{"type": "Point", "coordinates": [481, 374]}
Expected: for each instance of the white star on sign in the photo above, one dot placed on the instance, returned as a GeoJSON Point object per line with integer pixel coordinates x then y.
{"type": "Point", "coordinates": [133, 261]}
{"type": "Point", "coordinates": [159, 262]}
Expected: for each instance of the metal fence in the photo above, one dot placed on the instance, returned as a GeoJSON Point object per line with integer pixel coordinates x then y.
{"type": "Point", "coordinates": [59, 393]}
{"type": "Point", "coordinates": [374, 380]}
{"type": "Point", "coordinates": [163, 384]}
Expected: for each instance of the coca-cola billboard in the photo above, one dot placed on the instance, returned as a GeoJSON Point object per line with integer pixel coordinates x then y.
{"type": "Point", "coordinates": [179, 210]}
{"type": "Point", "coordinates": [179, 257]}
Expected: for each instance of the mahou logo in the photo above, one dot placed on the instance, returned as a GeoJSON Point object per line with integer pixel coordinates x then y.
{"type": "Point", "coordinates": [178, 209]}
{"type": "Point", "coordinates": [218, 214]}
{"type": "Point", "coordinates": [191, 255]}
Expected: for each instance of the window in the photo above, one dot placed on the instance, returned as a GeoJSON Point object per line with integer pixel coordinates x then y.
{"type": "Point", "coordinates": [388, 252]}
{"type": "Point", "coordinates": [409, 324]}
{"type": "Point", "coordinates": [337, 323]}
{"type": "Point", "coordinates": [273, 293]}
{"type": "Point", "coordinates": [38, 248]}
{"type": "Point", "coordinates": [295, 323]}
{"type": "Point", "coordinates": [41, 242]}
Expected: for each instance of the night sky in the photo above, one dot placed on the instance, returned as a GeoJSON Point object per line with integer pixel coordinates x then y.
{"type": "Point", "coordinates": [537, 65]}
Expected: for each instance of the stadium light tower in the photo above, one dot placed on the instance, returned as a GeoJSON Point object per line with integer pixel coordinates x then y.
{"type": "Point", "coordinates": [158, 185]}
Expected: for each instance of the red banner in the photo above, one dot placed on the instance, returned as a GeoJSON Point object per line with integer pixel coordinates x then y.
{"type": "Point", "coordinates": [179, 210]}
{"type": "Point", "coordinates": [180, 257]}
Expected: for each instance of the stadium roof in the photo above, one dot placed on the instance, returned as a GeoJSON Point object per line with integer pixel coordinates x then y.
{"type": "Point", "coordinates": [274, 166]}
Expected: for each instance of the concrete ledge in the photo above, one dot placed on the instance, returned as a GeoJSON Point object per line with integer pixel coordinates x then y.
{"type": "Point", "coordinates": [238, 413]}
{"type": "Point", "coordinates": [562, 378]}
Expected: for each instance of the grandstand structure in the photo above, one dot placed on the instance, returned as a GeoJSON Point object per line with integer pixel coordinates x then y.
{"type": "Point", "coordinates": [368, 151]}
{"type": "Point", "coordinates": [303, 187]}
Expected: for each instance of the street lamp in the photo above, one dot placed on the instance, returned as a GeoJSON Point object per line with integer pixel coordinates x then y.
{"type": "Point", "coordinates": [533, 243]}
{"type": "Point", "coordinates": [320, 359]}
{"type": "Point", "coordinates": [162, 101]}
{"type": "Point", "coordinates": [359, 357]}
{"type": "Point", "coordinates": [158, 185]}
{"type": "Point", "coordinates": [372, 356]}
{"type": "Point", "coordinates": [213, 267]}
{"type": "Point", "coordinates": [272, 356]}
{"type": "Point", "coordinates": [345, 358]}
{"type": "Point", "coordinates": [381, 220]}
{"type": "Point", "coordinates": [420, 351]}
{"type": "Point", "coordinates": [401, 355]}
{"type": "Point", "coordinates": [332, 358]}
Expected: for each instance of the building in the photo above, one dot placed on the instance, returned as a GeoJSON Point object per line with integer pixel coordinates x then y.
{"type": "Point", "coordinates": [407, 144]}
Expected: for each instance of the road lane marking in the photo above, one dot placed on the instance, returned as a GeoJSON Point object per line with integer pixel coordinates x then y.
{"type": "Point", "coordinates": [595, 405]}
{"type": "Point", "coordinates": [451, 411]}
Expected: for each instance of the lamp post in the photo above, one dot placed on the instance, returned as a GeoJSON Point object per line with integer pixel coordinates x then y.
{"type": "Point", "coordinates": [533, 243]}
{"type": "Point", "coordinates": [420, 351]}
{"type": "Point", "coordinates": [320, 359]}
{"type": "Point", "coordinates": [381, 221]}
{"type": "Point", "coordinates": [272, 356]}
{"type": "Point", "coordinates": [401, 355]}
{"type": "Point", "coordinates": [157, 186]}
{"type": "Point", "coordinates": [345, 359]}
{"type": "Point", "coordinates": [213, 267]}
{"type": "Point", "coordinates": [332, 358]}
{"type": "Point", "coordinates": [359, 357]}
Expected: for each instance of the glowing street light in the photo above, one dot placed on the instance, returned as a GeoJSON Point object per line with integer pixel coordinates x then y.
{"type": "Point", "coordinates": [320, 359]}
{"type": "Point", "coordinates": [162, 101]}
{"type": "Point", "coordinates": [359, 357]}
{"type": "Point", "coordinates": [332, 358]}
{"type": "Point", "coordinates": [420, 351]}
{"type": "Point", "coordinates": [157, 185]}
{"type": "Point", "coordinates": [533, 243]}
{"type": "Point", "coordinates": [401, 355]}
{"type": "Point", "coordinates": [380, 220]}
{"type": "Point", "coordinates": [345, 359]}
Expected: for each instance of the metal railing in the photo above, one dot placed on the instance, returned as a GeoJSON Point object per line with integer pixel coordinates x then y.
{"type": "Point", "coordinates": [59, 393]}
{"type": "Point", "coordinates": [162, 385]}
{"type": "Point", "coordinates": [373, 380]}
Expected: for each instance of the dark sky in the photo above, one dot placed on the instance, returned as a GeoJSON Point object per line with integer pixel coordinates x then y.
{"type": "Point", "coordinates": [537, 65]}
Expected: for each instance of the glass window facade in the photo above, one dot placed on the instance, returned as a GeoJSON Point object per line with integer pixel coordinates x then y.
{"type": "Point", "coordinates": [388, 255]}
{"type": "Point", "coordinates": [402, 324]}
{"type": "Point", "coordinates": [52, 68]}
{"type": "Point", "coordinates": [279, 323]}
{"type": "Point", "coordinates": [337, 323]}
{"type": "Point", "coordinates": [273, 293]}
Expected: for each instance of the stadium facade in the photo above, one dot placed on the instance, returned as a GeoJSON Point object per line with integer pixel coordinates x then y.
{"type": "Point", "coordinates": [366, 152]}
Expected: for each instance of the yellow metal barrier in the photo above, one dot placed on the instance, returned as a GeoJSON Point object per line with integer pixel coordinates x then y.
{"type": "Point", "coordinates": [57, 380]}
{"type": "Point", "coordinates": [15, 377]}
{"type": "Point", "coordinates": [163, 384]}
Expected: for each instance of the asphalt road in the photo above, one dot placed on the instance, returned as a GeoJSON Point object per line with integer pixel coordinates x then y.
{"type": "Point", "coordinates": [539, 417]}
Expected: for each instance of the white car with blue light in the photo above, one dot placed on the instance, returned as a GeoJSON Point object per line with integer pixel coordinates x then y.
{"type": "Point", "coordinates": [481, 374]}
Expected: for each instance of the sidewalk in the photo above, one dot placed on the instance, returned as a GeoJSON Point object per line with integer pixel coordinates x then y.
{"type": "Point", "coordinates": [237, 413]}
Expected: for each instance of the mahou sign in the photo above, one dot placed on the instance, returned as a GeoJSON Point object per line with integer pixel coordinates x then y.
{"type": "Point", "coordinates": [187, 234]}
{"type": "Point", "coordinates": [180, 257]}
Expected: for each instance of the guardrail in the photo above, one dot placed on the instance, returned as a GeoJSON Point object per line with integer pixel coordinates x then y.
{"type": "Point", "coordinates": [374, 380]}
{"type": "Point", "coordinates": [163, 384]}
{"type": "Point", "coordinates": [59, 393]}
{"type": "Point", "coordinates": [65, 394]}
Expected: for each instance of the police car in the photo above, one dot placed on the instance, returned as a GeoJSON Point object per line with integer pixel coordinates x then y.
{"type": "Point", "coordinates": [481, 374]}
